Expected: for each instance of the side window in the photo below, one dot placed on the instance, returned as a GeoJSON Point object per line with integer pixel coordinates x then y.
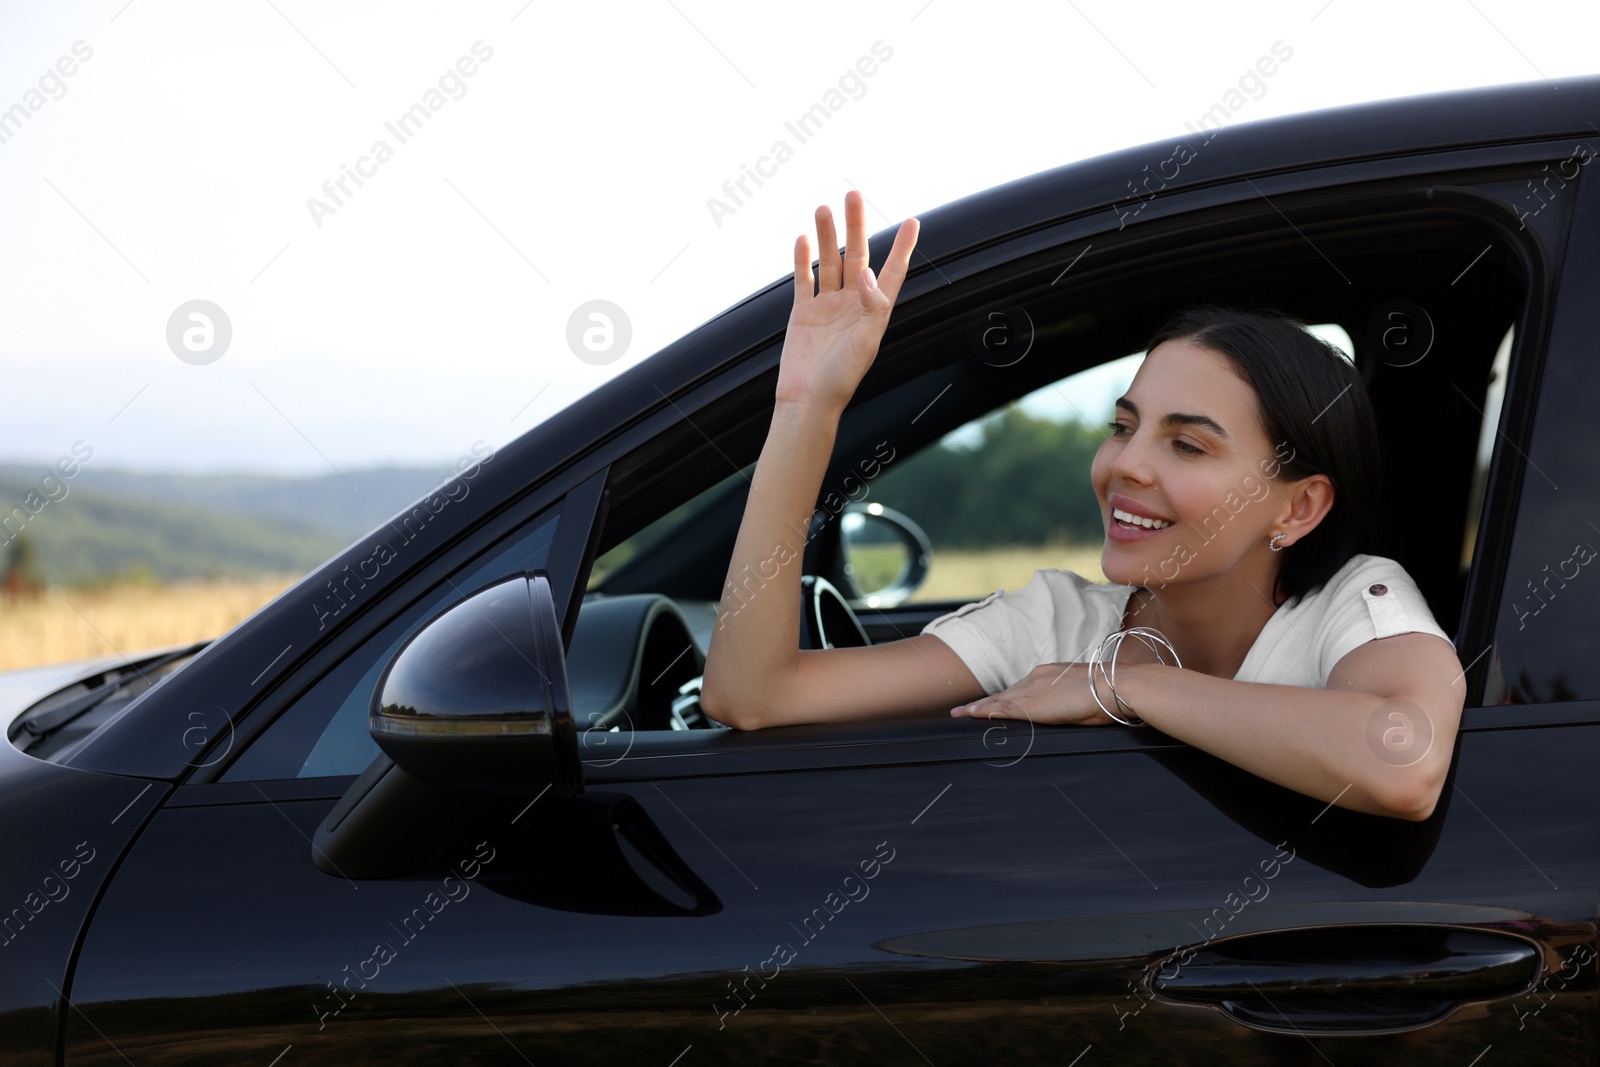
{"type": "Point", "coordinates": [1493, 400]}
{"type": "Point", "coordinates": [1009, 493]}
{"type": "Point", "coordinates": [324, 732]}
{"type": "Point", "coordinates": [1543, 646]}
{"type": "Point", "coordinates": [640, 543]}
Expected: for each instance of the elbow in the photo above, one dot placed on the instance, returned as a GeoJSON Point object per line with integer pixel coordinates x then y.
{"type": "Point", "coordinates": [1415, 798]}
{"type": "Point", "coordinates": [1420, 810]}
{"type": "Point", "coordinates": [743, 699]}
{"type": "Point", "coordinates": [732, 713]}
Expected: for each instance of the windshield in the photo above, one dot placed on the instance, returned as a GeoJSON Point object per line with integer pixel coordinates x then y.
{"type": "Point", "coordinates": [53, 728]}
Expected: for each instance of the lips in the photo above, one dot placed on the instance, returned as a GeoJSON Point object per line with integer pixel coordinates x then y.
{"type": "Point", "coordinates": [1132, 514]}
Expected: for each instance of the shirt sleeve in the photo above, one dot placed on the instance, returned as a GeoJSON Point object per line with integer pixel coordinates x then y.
{"type": "Point", "coordinates": [1003, 636]}
{"type": "Point", "coordinates": [1376, 600]}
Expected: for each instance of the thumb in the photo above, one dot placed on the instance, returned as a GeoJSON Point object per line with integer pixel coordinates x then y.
{"type": "Point", "coordinates": [867, 288]}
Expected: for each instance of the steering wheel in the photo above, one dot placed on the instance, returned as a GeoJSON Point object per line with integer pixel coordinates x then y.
{"type": "Point", "coordinates": [826, 619]}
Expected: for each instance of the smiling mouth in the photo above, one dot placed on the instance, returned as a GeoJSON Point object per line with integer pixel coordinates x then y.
{"type": "Point", "coordinates": [1127, 518]}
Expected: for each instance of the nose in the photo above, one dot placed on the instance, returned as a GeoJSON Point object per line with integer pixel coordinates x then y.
{"type": "Point", "coordinates": [1127, 466]}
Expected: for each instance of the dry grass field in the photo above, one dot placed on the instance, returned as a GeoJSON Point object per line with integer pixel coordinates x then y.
{"type": "Point", "coordinates": [972, 575]}
{"type": "Point", "coordinates": [68, 623]}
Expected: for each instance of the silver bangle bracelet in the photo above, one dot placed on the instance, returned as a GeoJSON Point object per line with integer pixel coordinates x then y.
{"type": "Point", "coordinates": [1152, 638]}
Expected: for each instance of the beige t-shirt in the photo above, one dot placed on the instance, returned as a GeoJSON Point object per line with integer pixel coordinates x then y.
{"type": "Point", "coordinates": [1060, 617]}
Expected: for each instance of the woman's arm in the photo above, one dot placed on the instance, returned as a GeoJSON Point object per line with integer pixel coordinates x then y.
{"type": "Point", "coordinates": [756, 675]}
{"type": "Point", "coordinates": [1379, 739]}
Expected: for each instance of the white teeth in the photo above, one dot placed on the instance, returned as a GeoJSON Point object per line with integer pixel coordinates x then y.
{"type": "Point", "coordinates": [1139, 520]}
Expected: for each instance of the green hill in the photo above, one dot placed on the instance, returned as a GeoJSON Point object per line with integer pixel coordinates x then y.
{"type": "Point", "coordinates": [174, 525]}
{"type": "Point", "coordinates": [346, 505]}
{"type": "Point", "coordinates": [89, 535]}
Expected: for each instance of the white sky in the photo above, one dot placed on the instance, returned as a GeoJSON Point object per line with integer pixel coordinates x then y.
{"type": "Point", "coordinates": [431, 309]}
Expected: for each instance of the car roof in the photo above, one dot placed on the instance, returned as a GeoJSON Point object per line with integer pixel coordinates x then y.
{"type": "Point", "coordinates": [1433, 122]}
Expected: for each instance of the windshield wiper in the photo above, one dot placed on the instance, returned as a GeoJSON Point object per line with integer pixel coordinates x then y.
{"type": "Point", "coordinates": [46, 717]}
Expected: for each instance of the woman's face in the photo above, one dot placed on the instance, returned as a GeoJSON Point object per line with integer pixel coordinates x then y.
{"type": "Point", "coordinates": [1187, 449]}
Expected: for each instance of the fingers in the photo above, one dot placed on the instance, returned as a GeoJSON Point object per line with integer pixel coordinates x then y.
{"type": "Point", "coordinates": [899, 261]}
{"type": "Point", "coordinates": [856, 251]}
{"type": "Point", "coordinates": [991, 707]}
{"type": "Point", "coordinates": [835, 273]}
{"type": "Point", "coordinates": [804, 282]}
{"type": "Point", "coordinates": [827, 251]}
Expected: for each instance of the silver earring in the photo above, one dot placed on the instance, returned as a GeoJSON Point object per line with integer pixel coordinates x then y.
{"type": "Point", "coordinates": [1273, 543]}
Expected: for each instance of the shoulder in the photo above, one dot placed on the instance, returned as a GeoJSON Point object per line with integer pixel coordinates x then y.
{"type": "Point", "coordinates": [1076, 583]}
{"type": "Point", "coordinates": [1365, 577]}
{"type": "Point", "coordinates": [1047, 590]}
{"type": "Point", "coordinates": [1369, 598]}
{"type": "Point", "coordinates": [1069, 588]}
{"type": "Point", "coordinates": [1006, 634]}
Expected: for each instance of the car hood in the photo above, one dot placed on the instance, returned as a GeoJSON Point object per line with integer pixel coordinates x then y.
{"type": "Point", "coordinates": [22, 689]}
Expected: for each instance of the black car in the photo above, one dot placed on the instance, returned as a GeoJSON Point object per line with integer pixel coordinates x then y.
{"type": "Point", "coordinates": [451, 798]}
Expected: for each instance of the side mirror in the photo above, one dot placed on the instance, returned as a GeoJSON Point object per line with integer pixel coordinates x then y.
{"type": "Point", "coordinates": [886, 555]}
{"type": "Point", "coordinates": [478, 698]}
{"type": "Point", "coordinates": [474, 706]}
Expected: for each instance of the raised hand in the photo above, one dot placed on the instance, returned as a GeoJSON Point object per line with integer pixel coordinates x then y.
{"type": "Point", "coordinates": [834, 333]}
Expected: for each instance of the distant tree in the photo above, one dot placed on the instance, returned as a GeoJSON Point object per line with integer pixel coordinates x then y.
{"type": "Point", "coordinates": [22, 579]}
{"type": "Point", "coordinates": [1025, 483]}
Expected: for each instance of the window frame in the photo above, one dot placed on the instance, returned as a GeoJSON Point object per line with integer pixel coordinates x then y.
{"type": "Point", "coordinates": [1523, 522]}
{"type": "Point", "coordinates": [1360, 192]}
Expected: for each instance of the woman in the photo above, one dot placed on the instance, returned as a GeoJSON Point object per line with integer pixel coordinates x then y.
{"type": "Point", "coordinates": [1235, 484]}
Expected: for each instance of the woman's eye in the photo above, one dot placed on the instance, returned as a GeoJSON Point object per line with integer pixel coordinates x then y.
{"type": "Point", "coordinates": [1122, 429]}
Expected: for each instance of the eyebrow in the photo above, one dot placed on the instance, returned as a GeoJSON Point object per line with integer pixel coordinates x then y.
{"type": "Point", "coordinates": [1179, 418]}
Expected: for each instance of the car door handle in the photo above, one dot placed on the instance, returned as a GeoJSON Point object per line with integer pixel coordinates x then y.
{"type": "Point", "coordinates": [1343, 980]}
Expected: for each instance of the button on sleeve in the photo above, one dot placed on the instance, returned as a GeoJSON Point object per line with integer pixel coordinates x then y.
{"type": "Point", "coordinates": [1376, 599]}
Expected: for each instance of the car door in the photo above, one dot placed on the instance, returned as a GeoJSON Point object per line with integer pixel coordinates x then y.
{"type": "Point", "coordinates": [872, 893]}
{"type": "Point", "coordinates": [925, 890]}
